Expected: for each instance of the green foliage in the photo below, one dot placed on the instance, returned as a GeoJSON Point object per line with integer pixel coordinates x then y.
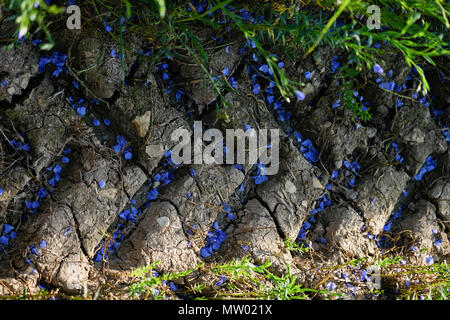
{"type": "Point", "coordinates": [147, 283]}
{"type": "Point", "coordinates": [356, 263]}
{"type": "Point", "coordinates": [416, 28]}
{"type": "Point", "coordinates": [248, 280]}
{"type": "Point", "coordinates": [433, 282]}
{"type": "Point", "coordinates": [388, 261]}
{"type": "Point", "coordinates": [348, 95]}
{"type": "Point", "coordinates": [28, 13]}
{"type": "Point", "coordinates": [414, 282]}
{"type": "Point", "coordinates": [243, 279]}
{"type": "Point", "coordinates": [328, 25]}
{"type": "Point", "coordinates": [42, 294]}
{"type": "Point", "coordinates": [352, 102]}
{"type": "Point", "coordinates": [161, 7]}
{"type": "Point", "coordinates": [292, 246]}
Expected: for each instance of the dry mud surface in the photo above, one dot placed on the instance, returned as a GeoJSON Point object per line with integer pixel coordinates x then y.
{"type": "Point", "coordinates": [80, 202]}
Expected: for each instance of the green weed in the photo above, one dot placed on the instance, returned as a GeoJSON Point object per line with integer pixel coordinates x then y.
{"type": "Point", "coordinates": [292, 246]}
{"type": "Point", "coordinates": [416, 28]}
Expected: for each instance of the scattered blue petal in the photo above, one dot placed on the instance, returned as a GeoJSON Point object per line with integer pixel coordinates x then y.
{"type": "Point", "coordinates": [65, 159]}
{"type": "Point", "coordinates": [377, 69]}
{"type": "Point", "coordinates": [152, 194]}
{"type": "Point", "coordinates": [387, 85]}
{"type": "Point", "coordinates": [107, 27]}
{"type": "Point", "coordinates": [430, 165]}
{"type": "Point", "coordinates": [300, 95]}
{"type": "Point", "coordinates": [225, 71]}
{"type": "Point", "coordinates": [331, 286]}
{"type": "Point", "coordinates": [81, 111]}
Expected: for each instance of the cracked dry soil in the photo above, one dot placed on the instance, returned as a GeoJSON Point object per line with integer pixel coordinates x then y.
{"type": "Point", "coordinates": [59, 243]}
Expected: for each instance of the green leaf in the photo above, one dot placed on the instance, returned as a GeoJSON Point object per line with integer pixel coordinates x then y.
{"type": "Point", "coordinates": [46, 46]}
{"type": "Point", "coordinates": [161, 7]}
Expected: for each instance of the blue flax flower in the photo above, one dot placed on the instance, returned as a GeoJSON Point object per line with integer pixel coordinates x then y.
{"type": "Point", "coordinates": [4, 240]}
{"type": "Point", "coordinates": [256, 89]}
{"type": "Point", "coordinates": [214, 240]}
{"type": "Point", "coordinates": [309, 151]}
{"type": "Point", "coordinates": [377, 69]}
{"type": "Point", "coordinates": [65, 159]}
{"type": "Point", "coordinates": [264, 68]}
{"type": "Point", "coordinates": [300, 95]}
{"type": "Point", "coordinates": [152, 194]}
{"type": "Point", "coordinates": [331, 286]}
{"type": "Point", "coordinates": [430, 165]}
{"type": "Point", "coordinates": [121, 142]}
{"type": "Point", "coordinates": [57, 59]}
{"type": "Point", "coordinates": [387, 85]}
{"type": "Point", "coordinates": [42, 193]}
{"type": "Point", "coordinates": [336, 104]}
{"type": "Point", "coordinates": [225, 71]}
{"type": "Point", "coordinates": [335, 64]}
{"type": "Point", "coordinates": [107, 27]}
{"type": "Point", "coordinates": [7, 228]}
